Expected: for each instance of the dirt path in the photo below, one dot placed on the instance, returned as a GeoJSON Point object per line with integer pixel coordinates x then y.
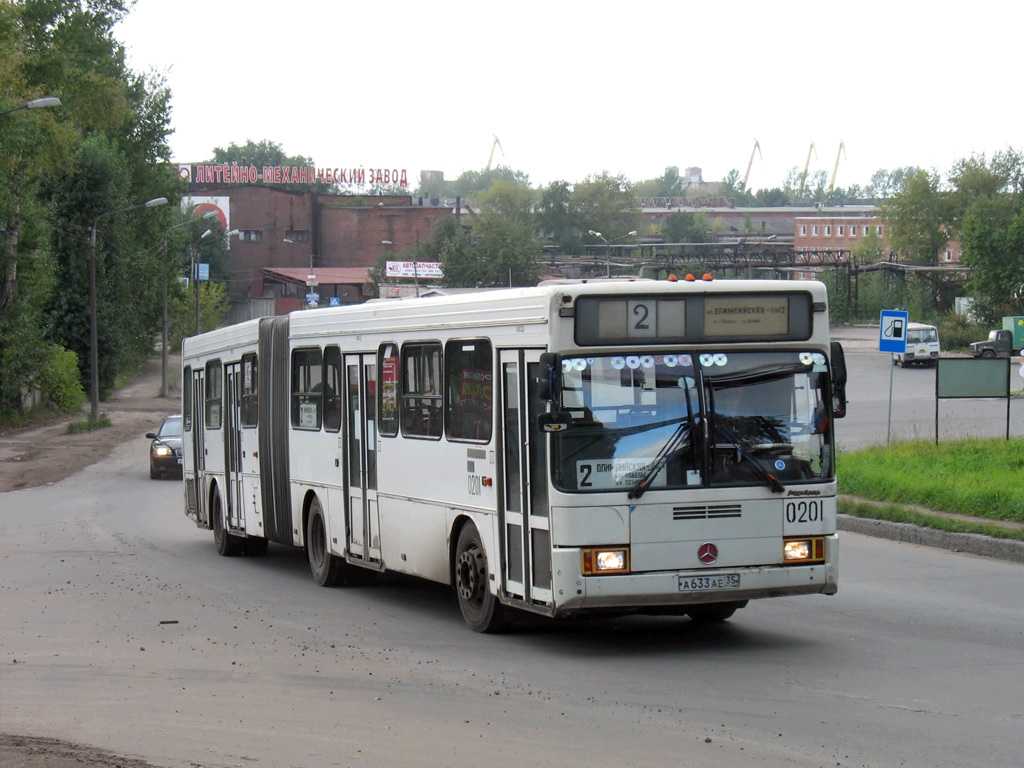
{"type": "Point", "coordinates": [41, 455]}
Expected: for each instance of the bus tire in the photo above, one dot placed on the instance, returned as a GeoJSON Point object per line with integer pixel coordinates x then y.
{"type": "Point", "coordinates": [327, 569]}
{"type": "Point", "coordinates": [480, 608]}
{"type": "Point", "coordinates": [227, 545]}
{"type": "Point", "coordinates": [710, 613]}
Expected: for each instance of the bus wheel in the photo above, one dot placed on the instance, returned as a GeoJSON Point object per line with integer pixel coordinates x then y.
{"type": "Point", "coordinates": [480, 608]}
{"type": "Point", "coordinates": [713, 612]}
{"type": "Point", "coordinates": [227, 545]}
{"type": "Point", "coordinates": [327, 569]}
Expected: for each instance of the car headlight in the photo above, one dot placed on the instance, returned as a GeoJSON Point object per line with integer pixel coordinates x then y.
{"type": "Point", "coordinates": [161, 450]}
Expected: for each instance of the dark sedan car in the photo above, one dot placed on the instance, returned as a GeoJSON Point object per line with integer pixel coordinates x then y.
{"type": "Point", "coordinates": [165, 450]}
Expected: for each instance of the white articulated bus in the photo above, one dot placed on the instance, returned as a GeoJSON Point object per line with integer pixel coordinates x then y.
{"type": "Point", "coordinates": [578, 447]}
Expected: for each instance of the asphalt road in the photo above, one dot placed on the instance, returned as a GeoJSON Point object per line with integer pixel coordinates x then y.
{"type": "Point", "coordinates": [122, 629]}
{"type": "Point", "coordinates": [874, 417]}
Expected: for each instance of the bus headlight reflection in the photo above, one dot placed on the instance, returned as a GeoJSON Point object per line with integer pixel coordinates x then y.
{"type": "Point", "coordinates": [601, 561]}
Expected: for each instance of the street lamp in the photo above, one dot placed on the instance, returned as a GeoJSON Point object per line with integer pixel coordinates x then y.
{"type": "Point", "coordinates": [46, 101]}
{"type": "Point", "coordinates": [608, 246]}
{"type": "Point", "coordinates": [163, 355]}
{"type": "Point", "coordinates": [195, 274]}
{"type": "Point", "coordinates": [94, 354]}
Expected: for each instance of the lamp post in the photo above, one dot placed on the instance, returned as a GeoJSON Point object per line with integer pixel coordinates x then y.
{"type": "Point", "coordinates": [608, 247]}
{"type": "Point", "coordinates": [46, 101]}
{"type": "Point", "coordinates": [195, 274]}
{"type": "Point", "coordinates": [94, 354]}
{"type": "Point", "coordinates": [163, 335]}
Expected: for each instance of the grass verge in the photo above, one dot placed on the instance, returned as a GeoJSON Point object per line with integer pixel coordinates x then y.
{"type": "Point", "coordinates": [77, 427]}
{"type": "Point", "coordinates": [975, 478]}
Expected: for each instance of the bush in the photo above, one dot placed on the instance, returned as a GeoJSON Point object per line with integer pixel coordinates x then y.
{"type": "Point", "coordinates": [59, 381]}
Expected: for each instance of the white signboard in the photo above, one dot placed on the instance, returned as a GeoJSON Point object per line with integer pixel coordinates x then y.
{"type": "Point", "coordinates": [424, 270]}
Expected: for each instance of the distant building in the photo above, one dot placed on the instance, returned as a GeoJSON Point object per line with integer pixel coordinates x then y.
{"type": "Point", "coordinates": [284, 229]}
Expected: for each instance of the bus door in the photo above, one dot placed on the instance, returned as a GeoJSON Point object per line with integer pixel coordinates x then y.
{"type": "Point", "coordinates": [524, 518]}
{"type": "Point", "coordinates": [361, 459]}
{"type": "Point", "coordinates": [233, 447]}
{"type": "Point", "coordinates": [199, 445]}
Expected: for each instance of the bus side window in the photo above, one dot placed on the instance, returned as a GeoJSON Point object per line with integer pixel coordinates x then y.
{"type": "Point", "coordinates": [387, 364]}
{"type": "Point", "coordinates": [213, 394]}
{"type": "Point", "coordinates": [421, 390]}
{"type": "Point", "coordinates": [186, 398]}
{"type": "Point", "coordinates": [250, 401]}
{"type": "Point", "coordinates": [307, 386]}
{"type": "Point", "coordinates": [332, 389]}
{"type": "Point", "coordinates": [469, 400]}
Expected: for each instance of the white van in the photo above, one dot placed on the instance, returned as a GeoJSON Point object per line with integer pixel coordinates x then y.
{"type": "Point", "coordinates": [922, 346]}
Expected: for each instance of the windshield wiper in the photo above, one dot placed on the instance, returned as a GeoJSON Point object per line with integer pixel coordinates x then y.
{"type": "Point", "coordinates": [769, 479]}
{"type": "Point", "coordinates": [671, 446]}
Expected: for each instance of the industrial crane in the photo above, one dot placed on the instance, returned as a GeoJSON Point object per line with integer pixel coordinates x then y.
{"type": "Point", "coordinates": [842, 151]}
{"type": "Point", "coordinates": [807, 165]}
{"type": "Point", "coordinates": [757, 148]}
{"type": "Point", "coordinates": [490, 158]}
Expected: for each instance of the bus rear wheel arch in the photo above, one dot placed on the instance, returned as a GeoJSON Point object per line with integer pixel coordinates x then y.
{"type": "Point", "coordinates": [480, 608]}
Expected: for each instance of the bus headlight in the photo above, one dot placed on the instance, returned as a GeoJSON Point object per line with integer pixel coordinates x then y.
{"type": "Point", "coordinates": [605, 560]}
{"type": "Point", "coordinates": [809, 550]}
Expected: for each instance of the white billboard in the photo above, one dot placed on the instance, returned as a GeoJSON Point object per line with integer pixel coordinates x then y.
{"type": "Point", "coordinates": [425, 270]}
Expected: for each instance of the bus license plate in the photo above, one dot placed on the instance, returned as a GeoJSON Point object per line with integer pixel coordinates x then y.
{"type": "Point", "coordinates": [709, 583]}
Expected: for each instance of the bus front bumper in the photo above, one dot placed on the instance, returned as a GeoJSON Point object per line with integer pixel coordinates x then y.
{"type": "Point", "coordinates": [576, 593]}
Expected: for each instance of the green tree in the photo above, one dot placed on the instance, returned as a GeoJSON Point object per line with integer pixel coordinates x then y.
{"type": "Point", "coordinates": [111, 128]}
{"type": "Point", "coordinates": [992, 238]}
{"type": "Point", "coordinates": [669, 184]}
{"type": "Point", "coordinates": [213, 309]}
{"type": "Point", "coordinates": [556, 218]}
{"type": "Point", "coordinates": [471, 184]}
{"type": "Point", "coordinates": [917, 216]}
{"type": "Point", "coordinates": [605, 204]}
{"type": "Point", "coordinates": [885, 184]}
{"type": "Point", "coordinates": [686, 227]}
{"type": "Point", "coordinates": [505, 249]}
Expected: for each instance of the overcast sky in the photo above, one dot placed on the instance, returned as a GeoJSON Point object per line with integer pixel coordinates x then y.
{"type": "Point", "coordinates": [576, 88]}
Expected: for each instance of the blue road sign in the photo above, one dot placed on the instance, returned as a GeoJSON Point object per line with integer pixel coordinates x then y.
{"type": "Point", "coordinates": [335, 301]}
{"type": "Point", "coordinates": [892, 331]}
{"type": "Point", "coordinates": [202, 271]}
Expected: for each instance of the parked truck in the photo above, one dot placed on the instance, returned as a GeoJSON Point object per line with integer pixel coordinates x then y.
{"type": "Point", "coordinates": [1005, 342]}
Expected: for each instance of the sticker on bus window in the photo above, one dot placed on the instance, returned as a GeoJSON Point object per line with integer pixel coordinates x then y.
{"type": "Point", "coordinates": [607, 474]}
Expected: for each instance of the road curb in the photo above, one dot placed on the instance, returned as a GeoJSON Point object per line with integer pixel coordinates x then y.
{"type": "Point", "coordinates": [971, 543]}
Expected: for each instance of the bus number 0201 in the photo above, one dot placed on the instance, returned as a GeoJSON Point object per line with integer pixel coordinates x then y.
{"type": "Point", "coordinates": [474, 485]}
{"type": "Point", "coordinates": [811, 511]}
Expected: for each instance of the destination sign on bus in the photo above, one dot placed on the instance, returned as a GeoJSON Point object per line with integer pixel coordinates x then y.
{"type": "Point", "coordinates": [604, 320]}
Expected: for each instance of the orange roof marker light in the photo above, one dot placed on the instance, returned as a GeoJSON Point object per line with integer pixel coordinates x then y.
{"type": "Point", "coordinates": [672, 278]}
{"type": "Point", "coordinates": [707, 277]}
{"type": "Point", "coordinates": [689, 278]}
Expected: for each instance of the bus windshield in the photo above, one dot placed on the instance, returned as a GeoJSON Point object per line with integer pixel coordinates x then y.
{"type": "Point", "coordinates": [691, 420]}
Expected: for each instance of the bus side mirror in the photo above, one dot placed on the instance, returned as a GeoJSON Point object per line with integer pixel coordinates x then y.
{"type": "Point", "coordinates": [838, 380]}
{"type": "Point", "coordinates": [838, 365]}
{"type": "Point", "coordinates": [550, 385]}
